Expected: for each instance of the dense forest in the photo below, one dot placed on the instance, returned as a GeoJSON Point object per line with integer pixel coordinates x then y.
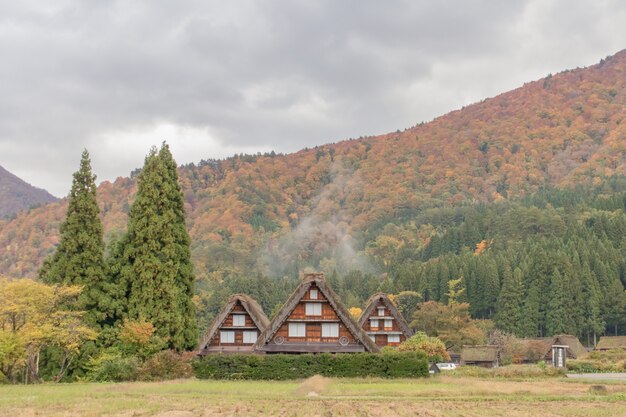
{"type": "Point", "coordinates": [549, 263]}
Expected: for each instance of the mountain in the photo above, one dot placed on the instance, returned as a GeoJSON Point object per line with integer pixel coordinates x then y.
{"type": "Point", "coordinates": [17, 196]}
{"type": "Point", "coordinates": [327, 204]}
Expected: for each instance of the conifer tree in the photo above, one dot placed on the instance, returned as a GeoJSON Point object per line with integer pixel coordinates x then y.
{"type": "Point", "coordinates": [509, 316]}
{"type": "Point", "coordinates": [79, 257]}
{"type": "Point", "coordinates": [559, 317]}
{"type": "Point", "coordinates": [593, 323]}
{"type": "Point", "coordinates": [156, 270]}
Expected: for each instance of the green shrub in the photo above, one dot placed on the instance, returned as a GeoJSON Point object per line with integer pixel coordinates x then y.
{"type": "Point", "coordinates": [111, 366]}
{"type": "Point", "coordinates": [433, 347]}
{"type": "Point", "coordinates": [281, 367]}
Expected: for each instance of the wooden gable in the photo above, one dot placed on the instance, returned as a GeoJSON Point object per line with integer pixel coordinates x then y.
{"type": "Point", "coordinates": [236, 328]}
{"type": "Point", "coordinates": [314, 320]}
{"type": "Point", "coordinates": [382, 321]}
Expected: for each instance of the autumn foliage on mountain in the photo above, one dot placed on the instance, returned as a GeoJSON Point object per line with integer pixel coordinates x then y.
{"type": "Point", "coordinates": [251, 212]}
{"type": "Point", "coordinates": [17, 196]}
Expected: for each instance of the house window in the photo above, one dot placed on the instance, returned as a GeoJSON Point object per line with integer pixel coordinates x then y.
{"type": "Point", "coordinates": [313, 309]}
{"type": "Point", "coordinates": [330, 329]}
{"type": "Point", "coordinates": [313, 294]}
{"type": "Point", "coordinates": [381, 311]}
{"type": "Point", "coordinates": [393, 338]}
{"type": "Point", "coordinates": [374, 324]}
{"type": "Point", "coordinates": [227, 336]}
{"type": "Point", "coordinates": [239, 320]}
{"type": "Point", "coordinates": [388, 324]}
{"type": "Point", "coordinates": [249, 336]}
{"type": "Point", "coordinates": [297, 329]}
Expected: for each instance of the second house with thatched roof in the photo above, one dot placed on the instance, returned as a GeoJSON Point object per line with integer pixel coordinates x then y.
{"type": "Point", "coordinates": [313, 320]}
{"type": "Point", "coordinates": [611, 343]}
{"type": "Point", "coordinates": [236, 328]}
{"type": "Point", "coordinates": [383, 323]}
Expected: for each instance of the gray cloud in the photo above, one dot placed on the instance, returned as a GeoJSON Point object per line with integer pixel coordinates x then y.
{"type": "Point", "coordinates": [223, 77]}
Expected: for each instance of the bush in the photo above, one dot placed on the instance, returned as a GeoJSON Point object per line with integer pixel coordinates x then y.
{"type": "Point", "coordinates": [433, 347]}
{"type": "Point", "coordinates": [111, 366]}
{"type": "Point", "coordinates": [166, 364]}
{"type": "Point", "coordinates": [599, 361]}
{"type": "Point", "coordinates": [281, 367]}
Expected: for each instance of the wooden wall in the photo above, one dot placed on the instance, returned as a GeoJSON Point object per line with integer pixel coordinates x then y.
{"type": "Point", "coordinates": [228, 325]}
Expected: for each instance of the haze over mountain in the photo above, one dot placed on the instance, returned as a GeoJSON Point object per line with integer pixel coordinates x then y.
{"type": "Point", "coordinates": [256, 210]}
{"type": "Point", "coordinates": [16, 195]}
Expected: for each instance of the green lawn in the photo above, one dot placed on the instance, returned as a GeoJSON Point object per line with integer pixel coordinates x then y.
{"type": "Point", "coordinates": [437, 396]}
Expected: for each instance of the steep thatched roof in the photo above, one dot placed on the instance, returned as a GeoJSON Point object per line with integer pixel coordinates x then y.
{"type": "Point", "coordinates": [543, 345]}
{"type": "Point", "coordinates": [611, 342]}
{"type": "Point", "coordinates": [373, 301]}
{"type": "Point", "coordinates": [479, 353]}
{"type": "Point", "coordinates": [249, 304]}
{"type": "Point", "coordinates": [333, 300]}
{"type": "Point", "coordinates": [575, 348]}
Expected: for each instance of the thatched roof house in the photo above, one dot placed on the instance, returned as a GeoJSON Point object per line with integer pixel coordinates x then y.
{"type": "Point", "coordinates": [383, 322]}
{"type": "Point", "coordinates": [575, 348]}
{"type": "Point", "coordinates": [538, 349]}
{"type": "Point", "coordinates": [314, 320]}
{"type": "Point", "coordinates": [611, 342]}
{"type": "Point", "coordinates": [486, 356]}
{"type": "Point", "coordinates": [236, 328]}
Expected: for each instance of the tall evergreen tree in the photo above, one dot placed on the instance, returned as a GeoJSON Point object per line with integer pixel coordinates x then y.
{"type": "Point", "coordinates": [79, 257]}
{"type": "Point", "coordinates": [593, 323]}
{"type": "Point", "coordinates": [509, 316]}
{"type": "Point", "coordinates": [156, 270]}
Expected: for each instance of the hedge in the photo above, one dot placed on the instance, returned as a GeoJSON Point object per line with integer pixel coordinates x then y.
{"type": "Point", "coordinates": [280, 367]}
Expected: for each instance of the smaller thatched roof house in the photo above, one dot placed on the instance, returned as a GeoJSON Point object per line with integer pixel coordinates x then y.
{"type": "Point", "coordinates": [382, 321]}
{"type": "Point", "coordinates": [236, 328]}
{"type": "Point", "coordinates": [486, 356]}
{"type": "Point", "coordinates": [611, 342]}
{"type": "Point", "coordinates": [575, 348]}
{"type": "Point", "coordinates": [540, 348]}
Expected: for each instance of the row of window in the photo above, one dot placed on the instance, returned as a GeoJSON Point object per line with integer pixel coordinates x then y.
{"type": "Point", "coordinates": [299, 329]}
{"type": "Point", "coordinates": [228, 336]}
{"type": "Point", "coordinates": [391, 338]}
{"type": "Point", "coordinates": [375, 323]}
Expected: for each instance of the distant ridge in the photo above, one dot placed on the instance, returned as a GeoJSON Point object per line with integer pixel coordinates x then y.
{"type": "Point", "coordinates": [17, 195]}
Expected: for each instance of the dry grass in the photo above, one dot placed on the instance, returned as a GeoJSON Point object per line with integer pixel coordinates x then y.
{"type": "Point", "coordinates": [438, 396]}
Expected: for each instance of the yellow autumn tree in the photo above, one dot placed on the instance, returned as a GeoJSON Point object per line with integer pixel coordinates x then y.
{"type": "Point", "coordinates": [34, 316]}
{"type": "Point", "coordinates": [355, 312]}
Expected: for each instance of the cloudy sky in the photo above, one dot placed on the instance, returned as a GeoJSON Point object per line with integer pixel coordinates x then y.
{"type": "Point", "coordinates": [215, 78]}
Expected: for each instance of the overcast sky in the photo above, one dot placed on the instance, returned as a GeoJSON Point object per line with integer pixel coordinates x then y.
{"type": "Point", "coordinates": [215, 78]}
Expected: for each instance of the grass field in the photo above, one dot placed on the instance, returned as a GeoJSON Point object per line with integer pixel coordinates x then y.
{"type": "Point", "coordinates": [317, 396]}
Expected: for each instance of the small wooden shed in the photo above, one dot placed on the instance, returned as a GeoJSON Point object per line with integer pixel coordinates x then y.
{"type": "Point", "coordinates": [236, 328]}
{"type": "Point", "coordinates": [486, 356]}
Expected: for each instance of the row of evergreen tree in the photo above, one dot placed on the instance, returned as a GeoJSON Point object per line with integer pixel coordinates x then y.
{"type": "Point", "coordinates": [147, 274]}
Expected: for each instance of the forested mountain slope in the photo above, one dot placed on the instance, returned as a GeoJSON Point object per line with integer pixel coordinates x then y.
{"type": "Point", "coordinates": [16, 195]}
{"type": "Point", "coordinates": [325, 207]}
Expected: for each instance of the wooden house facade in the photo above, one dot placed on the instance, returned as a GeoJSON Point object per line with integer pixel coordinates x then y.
{"type": "Point", "coordinates": [383, 323]}
{"type": "Point", "coordinates": [237, 327]}
{"type": "Point", "coordinates": [313, 320]}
